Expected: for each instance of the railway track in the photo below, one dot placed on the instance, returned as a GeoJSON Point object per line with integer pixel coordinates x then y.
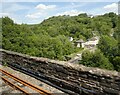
{"type": "Point", "coordinates": [7, 76]}
{"type": "Point", "coordinates": [67, 87]}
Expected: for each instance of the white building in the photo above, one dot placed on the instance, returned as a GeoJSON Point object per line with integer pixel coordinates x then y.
{"type": "Point", "coordinates": [91, 43]}
{"type": "Point", "coordinates": [71, 39]}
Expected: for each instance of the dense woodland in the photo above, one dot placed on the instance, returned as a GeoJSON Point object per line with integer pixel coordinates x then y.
{"type": "Point", "coordinates": [51, 38]}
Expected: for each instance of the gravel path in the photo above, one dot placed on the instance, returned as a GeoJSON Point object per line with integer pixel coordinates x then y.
{"type": "Point", "coordinates": [31, 80]}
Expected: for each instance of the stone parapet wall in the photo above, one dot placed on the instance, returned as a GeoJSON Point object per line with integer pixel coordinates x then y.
{"type": "Point", "coordinates": [95, 79]}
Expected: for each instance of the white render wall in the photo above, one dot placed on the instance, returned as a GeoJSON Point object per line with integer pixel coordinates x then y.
{"type": "Point", "coordinates": [91, 43]}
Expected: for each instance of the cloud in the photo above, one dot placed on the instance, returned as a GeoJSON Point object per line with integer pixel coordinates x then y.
{"type": "Point", "coordinates": [71, 13]}
{"type": "Point", "coordinates": [4, 14]}
{"type": "Point", "coordinates": [111, 7]}
{"type": "Point", "coordinates": [45, 7]}
{"type": "Point", "coordinates": [60, 0]}
{"type": "Point", "coordinates": [35, 15]}
{"type": "Point", "coordinates": [42, 11]}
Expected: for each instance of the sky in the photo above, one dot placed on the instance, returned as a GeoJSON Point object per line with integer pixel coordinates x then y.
{"type": "Point", "coordinates": [35, 12]}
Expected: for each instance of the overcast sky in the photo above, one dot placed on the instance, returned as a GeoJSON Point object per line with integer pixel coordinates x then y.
{"type": "Point", "coordinates": [35, 12]}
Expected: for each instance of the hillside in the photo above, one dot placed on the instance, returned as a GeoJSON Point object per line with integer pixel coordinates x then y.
{"type": "Point", "coordinates": [51, 37]}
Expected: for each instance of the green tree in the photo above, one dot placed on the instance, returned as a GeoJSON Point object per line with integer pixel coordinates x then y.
{"type": "Point", "coordinates": [7, 21]}
{"type": "Point", "coordinates": [95, 59]}
{"type": "Point", "coordinates": [108, 45]}
{"type": "Point", "coordinates": [116, 63]}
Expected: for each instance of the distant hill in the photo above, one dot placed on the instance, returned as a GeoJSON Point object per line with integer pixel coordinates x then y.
{"type": "Point", "coordinates": [81, 26]}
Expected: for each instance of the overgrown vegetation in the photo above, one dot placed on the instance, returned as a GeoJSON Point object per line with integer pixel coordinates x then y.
{"type": "Point", "coordinates": [50, 38]}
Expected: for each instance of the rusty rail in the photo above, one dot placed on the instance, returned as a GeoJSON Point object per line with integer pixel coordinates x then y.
{"type": "Point", "coordinates": [13, 85]}
{"type": "Point", "coordinates": [34, 87]}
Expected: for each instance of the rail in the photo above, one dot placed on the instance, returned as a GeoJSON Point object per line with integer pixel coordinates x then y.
{"type": "Point", "coordinates": [25, 83]}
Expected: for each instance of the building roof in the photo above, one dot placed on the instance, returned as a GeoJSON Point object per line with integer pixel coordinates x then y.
{"type": "Point", "coordinates": [80, 41]}
{"type": "Point", "coordinates": [93, 39]}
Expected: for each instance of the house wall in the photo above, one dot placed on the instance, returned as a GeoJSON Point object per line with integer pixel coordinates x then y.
{"type": "Point", "coordinates": [92, 43]}
{"type": "Point", "coordinates": [78, 44]}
